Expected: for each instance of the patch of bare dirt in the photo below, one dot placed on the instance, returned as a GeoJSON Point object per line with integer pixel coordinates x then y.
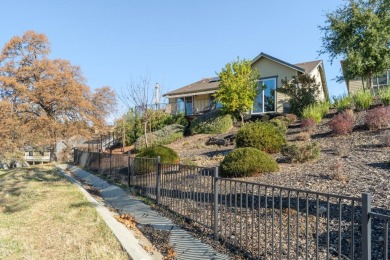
{"type": "Point", "coordinates": [194, 150]}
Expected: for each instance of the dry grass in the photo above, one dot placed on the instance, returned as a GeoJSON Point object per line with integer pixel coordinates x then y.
{"type": "Point", "coordinates": [42, 216]}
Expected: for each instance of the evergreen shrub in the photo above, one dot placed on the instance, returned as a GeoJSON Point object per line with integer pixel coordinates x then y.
{"type": "Point", "coordinates": [303, 153]}
{"type": "Point", "coordinates": [214, 122]}
{"type": "Point", "coordinates": [245, 162]}
{"type": "Point", "coordinates": [165, 135]}
{"type": "Point", "coordinates": [261, 135]}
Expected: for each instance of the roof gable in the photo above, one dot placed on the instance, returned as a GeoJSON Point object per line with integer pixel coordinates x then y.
{"type": "Point", "coordinates": [264, 55]}
{"type": "Point", "coordinates": [309, 66]}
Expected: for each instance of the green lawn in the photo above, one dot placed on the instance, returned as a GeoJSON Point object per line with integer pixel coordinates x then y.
{"type": "Point", "coordinates": [43, 216]}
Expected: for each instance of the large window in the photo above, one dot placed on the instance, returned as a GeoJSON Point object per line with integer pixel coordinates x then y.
{"type": "Point", "coordinates": [266, 100]}
{"type": "Point", "coordinates": [381, 81]}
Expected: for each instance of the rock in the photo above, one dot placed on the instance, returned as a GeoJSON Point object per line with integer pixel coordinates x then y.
{"type": "Point", "coordinates": [322, 210]}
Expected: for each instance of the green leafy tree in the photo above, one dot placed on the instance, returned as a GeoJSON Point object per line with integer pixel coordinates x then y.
{"type": "Point", "coordinates": [238, 87]}
{"type": "Point", "coordinates": [359, 32]}
{"type": "Point", "coordinates": [129, 127]}
{"type": "Point", "coordinates": [302, 91]}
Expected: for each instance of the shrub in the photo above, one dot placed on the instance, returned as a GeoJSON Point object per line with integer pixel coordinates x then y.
{"type": "Point", "coordinates": [260, 135]}
{"type": "Point", "coordinates": [287, 118]}
{"type": "Point", "coordinates": [302, 96]}
{"type": "Point", "coordinates": [384, 95]}
{"type": "Point", "coordinates": [308, 124]}
{"type": "Point", "coordinates": [295, 153]}
{"type": "Point", "coordinates": [378, 117]}
{"type": "Point", "coordinates": [166, 135]}
{"type": "Point", "coordinates": [302, 136]}
{"type": "Point", "coordinates": [342, 103]}
{"type": "Point", "coordinates": [362, 100]}
{"type": "Point", "coordinates": [291, 118]}
{"type": "Point", "coordinates": [324, 107]}
{"type": "Point", "coordinates": [167, 155]}
{"type": "Point", "coordinates": [243, 162]}
{"type": "Point", "coordinates": [343, 123]}
{"type": "Point", "coordinates": [313, 112]}
{"type": "Point", "coordinates": [280, 125]}
{"type": "Point", "coordinates": [214, 122]}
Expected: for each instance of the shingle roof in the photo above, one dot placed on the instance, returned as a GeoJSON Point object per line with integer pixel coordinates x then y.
{"type": "Point", "coordinates": [206, 84]}
{"type": "Point", "coordinates": [308, 66]}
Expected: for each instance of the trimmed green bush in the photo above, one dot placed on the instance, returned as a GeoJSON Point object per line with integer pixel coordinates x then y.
{"type": "Point", "coordinates": [281, 125]}
{"type": "Point", "coordinates": [384, 95]}
{"type": "Point", "coordinates": [167, 155]}
{"type": "Point", "coordinates": [166, 135]}
{"type": "Point", "coordinates": [295, 153]}
{"type": "Point", "coordinates": [214, 122]}
{"type": "Point", "coordinates": [362, 100]}
{"type": "Point", "coordinates": [245, 162]}
{"type": "Point", "coordinates": [261, 135]}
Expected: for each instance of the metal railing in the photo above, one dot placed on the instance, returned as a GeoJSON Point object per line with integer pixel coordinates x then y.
{"type": "Point", "coordinates": [261, 221]}
{"type": "Point", "coordinates": [379, 245]}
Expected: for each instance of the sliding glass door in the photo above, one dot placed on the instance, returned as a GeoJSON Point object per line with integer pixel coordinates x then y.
{"type": "Point", "coordinates": [266, 99]}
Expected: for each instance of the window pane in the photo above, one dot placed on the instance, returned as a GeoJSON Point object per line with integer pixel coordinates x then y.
{"type": "Point", "coordinates": [180, 105]}
{"type": "Point", "coordinates": [269, 95]}
{"type": "Point", "coordinates": [258, 104]}
{"type": "Point", "coordinates": [266, 97]}
{"type": "Point", "coordinates": [382, 80]}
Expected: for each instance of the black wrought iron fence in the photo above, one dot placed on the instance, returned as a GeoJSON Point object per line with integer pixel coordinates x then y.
{"type": "Point", "coordinates": [379, 245]}
{"type": "Point", "coordinates": [262, 221]}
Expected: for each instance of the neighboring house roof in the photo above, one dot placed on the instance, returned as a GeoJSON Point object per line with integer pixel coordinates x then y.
{"type": "Point", "coordinates": [203, 86]}
{"type": "Point", "coordinates": [309, 66]}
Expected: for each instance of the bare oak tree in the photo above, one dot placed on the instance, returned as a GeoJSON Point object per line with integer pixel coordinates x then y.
{"type": "Point", "coordinates": [137, 95]}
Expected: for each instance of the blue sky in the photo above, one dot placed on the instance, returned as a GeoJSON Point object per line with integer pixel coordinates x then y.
{"type": "Point", "coordinates": [175, 42]}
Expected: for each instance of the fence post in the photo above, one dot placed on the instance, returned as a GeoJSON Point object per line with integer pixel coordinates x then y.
{"type": "Point", "coordinates": [128, 168]}
{"type": "Point", "coordinates": [158, 180]}
{"type": "Point", "coordinates": [110, 160]}
{"type": "Point", "coordinates": [366, 226]}
{"type": "Point", "coordinates": [100, 159]}
{"type": "Point", "coordinates": [216, 193]}
{"type": "Point", "coordinates": [74, 155]}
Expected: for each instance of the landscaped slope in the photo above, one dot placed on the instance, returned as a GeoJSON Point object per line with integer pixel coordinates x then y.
{"type": "Point", "coordinates": [348, 164]}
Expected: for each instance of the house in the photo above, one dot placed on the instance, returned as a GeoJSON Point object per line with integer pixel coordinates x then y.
{"type": "Point", "coordinates": [32, 156]}
{"type": "Point", "coordinates": [195, 97]}
{"type": "Point", "coordinates": [377, 82]}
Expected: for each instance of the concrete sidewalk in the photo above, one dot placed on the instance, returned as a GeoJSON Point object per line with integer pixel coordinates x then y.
{"type": "Point", "coordinates": [185, 246]}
